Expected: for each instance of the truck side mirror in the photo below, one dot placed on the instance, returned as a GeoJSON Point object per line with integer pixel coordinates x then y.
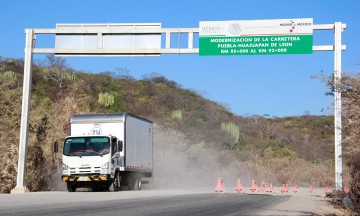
{"type": "Point", "coordinates": [119, 145]}
{"type": "Point", "coordinates": [56, 147]}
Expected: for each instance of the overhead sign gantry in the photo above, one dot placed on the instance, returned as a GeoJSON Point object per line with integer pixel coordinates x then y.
{"type": "Point", "coordinates": [144, 39]}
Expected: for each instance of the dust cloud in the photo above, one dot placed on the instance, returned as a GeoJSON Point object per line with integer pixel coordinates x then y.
{"type": "Point", "coordinates": [57, 184]}
{"type": "Point", "coordinates": [180, 163]}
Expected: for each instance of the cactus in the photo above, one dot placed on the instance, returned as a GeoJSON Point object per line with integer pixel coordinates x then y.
{"type": "Point", "coordinates": [232, 130]}
{"type": "Point", "coordinates": [288, 123]}
{"type": "Point", "coordinates": [106, 99]}
{"type": "Point", "coordinates": [70, 77]}
{"type": "Point", "coordinates": [176, 114]}
{"type": "Point", "coordinates": [10, 75]}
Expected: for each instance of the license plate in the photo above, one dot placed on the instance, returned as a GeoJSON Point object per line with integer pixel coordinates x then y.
{"type": "Point", "coordinates": [83, 178]}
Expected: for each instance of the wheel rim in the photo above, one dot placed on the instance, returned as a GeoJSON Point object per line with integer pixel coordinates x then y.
{"type": "Point", "coordinates": [139, 184]}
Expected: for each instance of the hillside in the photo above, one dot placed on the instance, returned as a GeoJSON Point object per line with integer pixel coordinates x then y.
{"type": "Point", "coordinates": [199, 138]}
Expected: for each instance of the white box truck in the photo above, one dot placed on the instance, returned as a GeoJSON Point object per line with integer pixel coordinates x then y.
{"type": "Point", "coordinates": [107, 149]}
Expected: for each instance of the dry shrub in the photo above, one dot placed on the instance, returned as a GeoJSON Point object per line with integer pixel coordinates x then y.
{"type": "Point", "coordinates": [351, 93]}
{"type": "Point", "coordinates": [294, 171]}
{"type": "Point", "coordinates": [354, 192]}
{"type": "Point", "coordinates": [10, 110]}
{"type": "Point", "coordinates": [8, 169]}
{"type": "Point", "coordinates": [48, 122]}
{"type": "Point", "coordinates": [37, 174]}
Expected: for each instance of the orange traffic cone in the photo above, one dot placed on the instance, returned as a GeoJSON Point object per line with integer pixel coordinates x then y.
{"type": "Point", "coordinates": [270, 188]}
{"type": "Point", "coordinates": [327, 190]}
{"type": "Point", "coordinates": [239, 187]}
{"type": "Point", "coordinates": [346, 189]}
{"type": "Point", "coordinates": [253, 187]}
{"type": "Point", "coordinates": [311, 189]}
{"type": "Point", "coordinates": [220, 185]}
{"type": "Point", "coordinates": [296, 189]}
{"type": "Point", "coordinates": [283, 189]}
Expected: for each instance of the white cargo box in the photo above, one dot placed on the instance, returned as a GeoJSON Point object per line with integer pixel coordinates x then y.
{"type": "Point", "coordinates": [134, 131]}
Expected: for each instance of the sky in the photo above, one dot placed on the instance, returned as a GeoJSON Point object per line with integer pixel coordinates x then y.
{"type": "Point", "coordinates": [271, 85]}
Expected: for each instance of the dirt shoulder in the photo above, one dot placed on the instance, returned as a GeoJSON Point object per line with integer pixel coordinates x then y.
{"type": "Point", "coordinates": [329, 208]}
{"type": "Point", "coordinates": [304, 203]}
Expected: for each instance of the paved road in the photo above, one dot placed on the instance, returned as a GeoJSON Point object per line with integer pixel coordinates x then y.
{"type": "Point", "coordinates": [152, 202]}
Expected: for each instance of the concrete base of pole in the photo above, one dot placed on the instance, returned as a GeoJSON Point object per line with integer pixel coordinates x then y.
{"type": "Point", "coordinates": [19, 190]}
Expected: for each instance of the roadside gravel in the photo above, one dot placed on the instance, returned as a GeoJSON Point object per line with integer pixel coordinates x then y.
{"type": "Point", "coordinates": [303, 203]}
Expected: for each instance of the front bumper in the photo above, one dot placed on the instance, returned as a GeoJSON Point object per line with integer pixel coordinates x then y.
{"type": "Point", "coordinates": [86, 178]}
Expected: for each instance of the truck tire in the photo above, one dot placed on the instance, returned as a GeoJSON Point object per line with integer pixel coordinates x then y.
{"type": "Point", "coordinates": [71, 187]}
{"type": "Point", "coordinates": [117, 182]}
{"type": "Point", "coordinates": [107, 186]}
{"type": "Point", "coordinates": [136, 184]}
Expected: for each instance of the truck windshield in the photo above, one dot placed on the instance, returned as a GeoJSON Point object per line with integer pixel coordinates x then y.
{"type": "Point", "coordinates": [86, 146]}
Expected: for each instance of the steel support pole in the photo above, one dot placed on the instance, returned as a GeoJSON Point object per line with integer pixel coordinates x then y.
{"type": "Point", "coordinates": [337, 105]}
{"type": "Point", "coordinates": [24, 128]}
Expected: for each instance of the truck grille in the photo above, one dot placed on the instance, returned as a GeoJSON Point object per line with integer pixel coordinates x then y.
{"type": "Point", "coordinates": [82, 170]}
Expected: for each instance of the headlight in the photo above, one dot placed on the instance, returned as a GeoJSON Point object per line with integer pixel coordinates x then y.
{"type": "Point", "coordinates": [65, 167]}
{"type": "Point", "coordinates": [105, 166]}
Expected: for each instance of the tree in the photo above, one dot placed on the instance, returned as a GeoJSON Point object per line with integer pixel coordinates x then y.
{"type": "Point", "coordinates": [57, 71]}
{"type": "Point", "coordinates": [54, 61]}
{"type": "Point", "coordinates": [122, 73]}
{"type": "Point", "coordinates": [265, 126]}
{"type": "Point", "coordinates": [350, 90]}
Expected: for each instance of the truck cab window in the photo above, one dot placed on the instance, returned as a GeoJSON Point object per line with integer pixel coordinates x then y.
{"type": "Point", "coordinates": [113, 147]}
{"type": "Point", "coordinates": [86, 146]}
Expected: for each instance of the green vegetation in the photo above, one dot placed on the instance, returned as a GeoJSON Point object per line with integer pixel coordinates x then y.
{"type": "Point", "coordinates": [276, 149]}
{"type": "Point", "coordinates": [106, 99]}
{"type": "Point", "coordinates": [10, 75]}
{"type": "Point", "coordinates": [232, 130]}
{"type": "Point", "coordinates": [176, 114]}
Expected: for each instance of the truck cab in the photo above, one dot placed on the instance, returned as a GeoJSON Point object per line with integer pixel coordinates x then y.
{"type": "Point", "coordinates": [90, 161]}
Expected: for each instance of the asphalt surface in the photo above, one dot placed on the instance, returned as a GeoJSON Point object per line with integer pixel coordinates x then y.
{"type": "Point", "coordinates": [152, 202]}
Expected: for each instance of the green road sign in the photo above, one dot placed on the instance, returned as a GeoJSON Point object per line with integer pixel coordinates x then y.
{"type": "Point", "coordinates": [262, 37]}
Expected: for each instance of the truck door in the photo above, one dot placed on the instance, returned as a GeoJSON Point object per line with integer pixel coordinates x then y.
{"type": "Point", "coordinates": [117, 161]}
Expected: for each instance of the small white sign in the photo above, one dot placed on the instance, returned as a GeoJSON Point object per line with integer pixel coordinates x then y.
{"type": "Point", "coordinates": [256, 27]}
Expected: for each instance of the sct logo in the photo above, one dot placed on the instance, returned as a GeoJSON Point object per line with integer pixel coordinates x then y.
{"type": "Point", "coordinates": [234, 28]}
{"type": "Point", "coordinates": [96, 131]}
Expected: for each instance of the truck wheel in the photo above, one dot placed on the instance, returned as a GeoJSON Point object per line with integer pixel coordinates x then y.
{"type": "Point", "coordinates": [107, 187]}
{"type": "Point", "coordinates": [117, 181]}
{"type": "Point", "coordinates": [71, 187]}
{"type": "Point", "coordinates": [136, 184]}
